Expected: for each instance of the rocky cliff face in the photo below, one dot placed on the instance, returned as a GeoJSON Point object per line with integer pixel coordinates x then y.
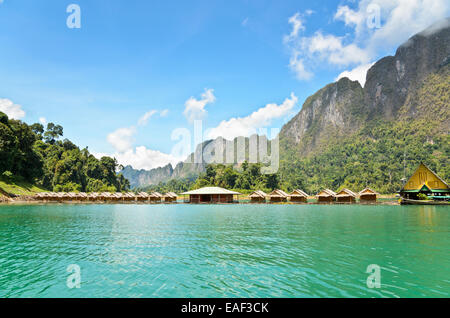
{"type": "Point", "coordinates": [138, 178]}
{"type": "Point", "coordinates": [333, 110]}
{"type": "Point", "coordinates": [392, 79]}
{"type": "Point", "coordinates": [410, 85]}
{"type": "Point", "coordinates": [343, 107]}
{"type": "Point", "coordinates": [211, 151]}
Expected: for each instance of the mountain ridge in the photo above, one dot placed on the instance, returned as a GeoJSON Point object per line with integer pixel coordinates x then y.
{"type": "Point", "coordinates": [401, 91]}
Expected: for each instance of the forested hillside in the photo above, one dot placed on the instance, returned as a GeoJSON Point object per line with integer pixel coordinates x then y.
{"type": "Point", "coordinates": [32, 154]}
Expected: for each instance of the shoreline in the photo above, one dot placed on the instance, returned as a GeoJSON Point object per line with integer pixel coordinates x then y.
{"type": "Point", "coordinates": [37, 202]}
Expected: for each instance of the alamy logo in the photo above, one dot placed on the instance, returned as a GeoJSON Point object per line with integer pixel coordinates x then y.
{"type": "Point", "coordinates": [74, 279]}
{"type": "Point", "coordinates": [374, 279]}
{"type": "Point", "coordinates": [74, 19]}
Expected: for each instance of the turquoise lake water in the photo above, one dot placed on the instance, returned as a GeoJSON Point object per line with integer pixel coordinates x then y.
{"type": "Point", "coordinates": [224, 250]}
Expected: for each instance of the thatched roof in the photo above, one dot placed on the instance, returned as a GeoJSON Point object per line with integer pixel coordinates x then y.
{"type": "Point", "coordinates": [278, 194]}
{"type": "Point", "coordinates": [298, 193]}
{"type": "Point", "coordinates": [144, 195]}
{"type": "Point", "coordinates": [258, 194]}
{"type": "Point", "coordinates": [368, 191]}
{"type": "Point", "coordinates": [346, 193]}
{"type": "Point", "coordinates": [171, 195]}
{"type": "Point", "coordinates": [156, 195]}
{"type": "Point", "coordinates": [82, 195]}
{"type": "Point", "coordinates": [326, 193]}
{"type": "Point", "coordinates": [93, 195]}
{"type": "Point", "coordinates": [210, 190]}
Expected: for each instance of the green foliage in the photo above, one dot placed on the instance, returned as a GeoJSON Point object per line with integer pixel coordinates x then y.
{"type": "Point", "coordinates": [248, 178]}
{"type": "Point", "coordinates": [422, 196]}
{"type": "Point", "coordinates": [372, 157]}
{"type": "Point", "coordinates": [40, 157]}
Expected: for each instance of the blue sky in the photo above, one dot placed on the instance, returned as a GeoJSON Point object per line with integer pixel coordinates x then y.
{"type": "Point", "coordinates": [224, 60]}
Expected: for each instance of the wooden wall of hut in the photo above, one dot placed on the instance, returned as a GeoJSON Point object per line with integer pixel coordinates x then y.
{"type": "Point", "coordinates": [368, 197]}
{"type": "Point", "coordinates": [346, 199]}
{"type": "Point", "coordinates": [322, 199]}
{"type": "Point", "coordinates": [257, 200]}
{"type": "Point", "coordinates": [298, 199]}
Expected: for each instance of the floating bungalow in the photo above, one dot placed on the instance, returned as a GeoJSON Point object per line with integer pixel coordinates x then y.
{"type": "Point", "coordinates": [278, 196]}
{"type": "Point", "coordinates": [129, 197]}
{"type": "Point", "coordinates": [326, 195]}
{"type": "Point", "coordinates": [211, 195]}
{"type": "Point", "coordinates": [82, 196]}
{"type": "Point", "coordinates": [368, 195]}
{"type": "Point", "coordinates": [346, 196]}
{"type": "Point", "coordinates": [156, 197]}
{"type": "Point", "coordinates": [142, 197]}
{"type": "Point", "coordinates": [298, 196]}
{"type": "Point", "coordinates": [427, 182]}
{"type": "Point", "coordinates": [258, 197]}
{"type": "Point", "coordinates": [94, 196]}
{"type": "Point", "coordinates": [170, 197]}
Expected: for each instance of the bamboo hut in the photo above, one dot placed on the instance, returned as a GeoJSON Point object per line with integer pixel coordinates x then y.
{"type": "Point", "coordinates": [118, 197]}
{"type": "Point", "coordinates": [93, 196]}
{"type": "Point", "coordinates": [427, 182]}
{"type": "Point", "coordinates": [52, 196]}
{"type": "Point", "coordinates": [129, 197]}
{"type": "Point", "coordinates": [326, 195]}
{"type": "Point", "coordinates": [258, 197]}
{"type": "Point", "coordinates": [170, 197]}
{"type": "Point", "coordinates": [211, 195]}
{"type": "Point", "coordinates": [82, 196]}
{"type": "Point", "coordinates": [298, 196]}
{"type": "Point", "coordinates": [71, 196]}
{"type": "Point", "coordinates": [61, 196]}
{"type": "Point", "coordinates": [278, 196]}
{"type": "Point", "coordinates": [143, 197]}
{"type": "Point", "coordinates": [43, 196]}
{"type": "Point", "coordinates": [156, 197]}
{"type": "Point", "coordinates": [346, 196]}
{"type": "Point", "coordinates": [106, 196]}
{"type": "Point", "coordinates": [368, 195]}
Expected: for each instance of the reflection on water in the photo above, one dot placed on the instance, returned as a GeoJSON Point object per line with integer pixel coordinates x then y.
{"type": "Point", "coordinates": [224, 251]}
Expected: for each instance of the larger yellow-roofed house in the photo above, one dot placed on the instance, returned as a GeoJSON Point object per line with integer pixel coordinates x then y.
{"type": "Point", "coordinates": [427, 182]}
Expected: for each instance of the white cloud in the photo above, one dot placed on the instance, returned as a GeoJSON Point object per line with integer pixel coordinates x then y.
{"type": "Point", "coordinates": [297, 25]}
{"type": "Point", "coordinates": [13, 111]}
{"type": "Point", "coordinates": [141, 158]}
{"type": "Point", "coordinates": [297, 65]}
{"type": "Point", "coordinates": [368, 39]}
{"type": "Point", "coordinates": [144, 158]}
{"type": "Point", "coordinates": [122, 139]}
{"type": "Point", "coordinates": [195, 108]}
{"type": "Point", "coordinates": [357, 74]}
{"type": "Point", "coordinates": [332, 49]}
{"type": "Point", "coordinates": [246, 126]}
{"type": "Point", "coordinates": [164, 113]}
{"type": "Point", "coordinates": [43, 120]}
{"type": "Point", "coordinates": [144, 119]}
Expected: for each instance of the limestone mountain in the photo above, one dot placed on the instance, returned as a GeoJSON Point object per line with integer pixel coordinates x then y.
{"type": "Point", "coordinates": [218, 150]}
{"type": "Point", "coordinates": [347, 135]}
{"type": "Point", "coordinates": [391, 91]}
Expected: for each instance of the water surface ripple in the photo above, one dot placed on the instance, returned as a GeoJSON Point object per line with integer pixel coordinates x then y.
{"type": "Point", "coordinates": [224, 250]}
